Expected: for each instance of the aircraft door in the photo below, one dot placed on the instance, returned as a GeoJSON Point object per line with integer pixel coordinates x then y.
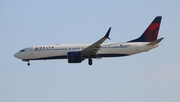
{"type": "Point", "coordinates": [137, 47]}
{"type": "Point", "coordinates": [31, 51]}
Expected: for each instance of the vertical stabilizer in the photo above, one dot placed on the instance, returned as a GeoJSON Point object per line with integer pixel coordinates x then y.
{"type": "Point", "coordinates": [151, 33]}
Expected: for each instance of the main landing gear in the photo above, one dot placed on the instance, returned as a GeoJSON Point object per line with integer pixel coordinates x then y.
{"type": "Point", "coordinates": [90, 61]}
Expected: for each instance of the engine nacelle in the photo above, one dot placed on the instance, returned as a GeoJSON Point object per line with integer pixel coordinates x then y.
{"type": "Point", "coordinates": [74, 57]}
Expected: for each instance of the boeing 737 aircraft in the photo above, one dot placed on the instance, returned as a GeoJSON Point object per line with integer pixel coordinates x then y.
{"type": "Point", "coordinates": [76, 53]}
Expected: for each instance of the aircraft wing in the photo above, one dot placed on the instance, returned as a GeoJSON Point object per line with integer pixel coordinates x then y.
{"type": "Point", "coordinates": [94, 48]}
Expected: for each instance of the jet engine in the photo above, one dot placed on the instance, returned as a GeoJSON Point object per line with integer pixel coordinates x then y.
{"type": "Point", "coordinates": [74, 57]}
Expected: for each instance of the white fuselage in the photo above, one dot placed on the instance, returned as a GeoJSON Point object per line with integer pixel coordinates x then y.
{"type": "Point", "coordinates": [76, 53]}
{"type": "Point", "coordinates": [59, 51]}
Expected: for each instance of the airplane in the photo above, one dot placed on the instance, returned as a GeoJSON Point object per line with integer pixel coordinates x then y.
{"type": "Point", "coordinates": [76, 53]}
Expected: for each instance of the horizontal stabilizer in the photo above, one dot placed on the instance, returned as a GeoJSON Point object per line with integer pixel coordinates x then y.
{"type": "Point", "coordinates": [155, 42]}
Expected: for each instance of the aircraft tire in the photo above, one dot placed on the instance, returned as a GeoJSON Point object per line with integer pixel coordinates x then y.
{"type": "Point", "coordinates": [90, 61]}
{"type": "Point", "coordinates": [28, 64]}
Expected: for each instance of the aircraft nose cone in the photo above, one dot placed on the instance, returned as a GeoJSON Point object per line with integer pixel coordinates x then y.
{"type": "Point", "coordinates": [16, 55]}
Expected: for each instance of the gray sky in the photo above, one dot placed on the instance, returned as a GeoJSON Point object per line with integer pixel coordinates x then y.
{"type": "Point", "coordinates": [152, 76]}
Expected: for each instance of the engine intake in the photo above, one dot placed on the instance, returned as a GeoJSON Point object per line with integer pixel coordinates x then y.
{"type": "Point", "coordinates": [74, 57]}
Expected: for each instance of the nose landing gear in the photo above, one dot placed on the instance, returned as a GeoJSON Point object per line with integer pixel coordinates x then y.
{"type": "Point", "coordinates": [28, 64]}
{"type": "Point", "coordinates": [27, 61]}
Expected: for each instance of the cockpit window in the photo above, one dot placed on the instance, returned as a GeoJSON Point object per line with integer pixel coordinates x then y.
{"type": "Point", "coordinates": [21, 50]}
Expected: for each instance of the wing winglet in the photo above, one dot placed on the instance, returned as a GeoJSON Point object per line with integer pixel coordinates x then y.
{"type": "Point", "coordinates": [107, 34]}
{"type": "Point", "coordinates": [94, 48]}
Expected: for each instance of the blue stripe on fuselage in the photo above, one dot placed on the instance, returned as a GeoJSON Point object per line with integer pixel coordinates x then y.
{"type": "Point", "coordinates": [65, 57]}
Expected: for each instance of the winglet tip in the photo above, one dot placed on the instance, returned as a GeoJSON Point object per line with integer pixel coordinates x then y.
{"type": "Point", "coordinates": [107, 34]}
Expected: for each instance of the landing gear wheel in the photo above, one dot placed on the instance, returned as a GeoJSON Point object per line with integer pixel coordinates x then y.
{"type": "Point", "coordinates": [28, 64]}
{"type": "Point", "coordinates": [90, 61]}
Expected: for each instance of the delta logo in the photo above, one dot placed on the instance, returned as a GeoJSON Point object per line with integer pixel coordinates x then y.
{"type": "Point", "coordinates": [44, 48]}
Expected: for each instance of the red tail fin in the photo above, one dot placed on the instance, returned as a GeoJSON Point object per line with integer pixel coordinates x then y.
{"type": "Point", "coordinates": [151, 33]}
